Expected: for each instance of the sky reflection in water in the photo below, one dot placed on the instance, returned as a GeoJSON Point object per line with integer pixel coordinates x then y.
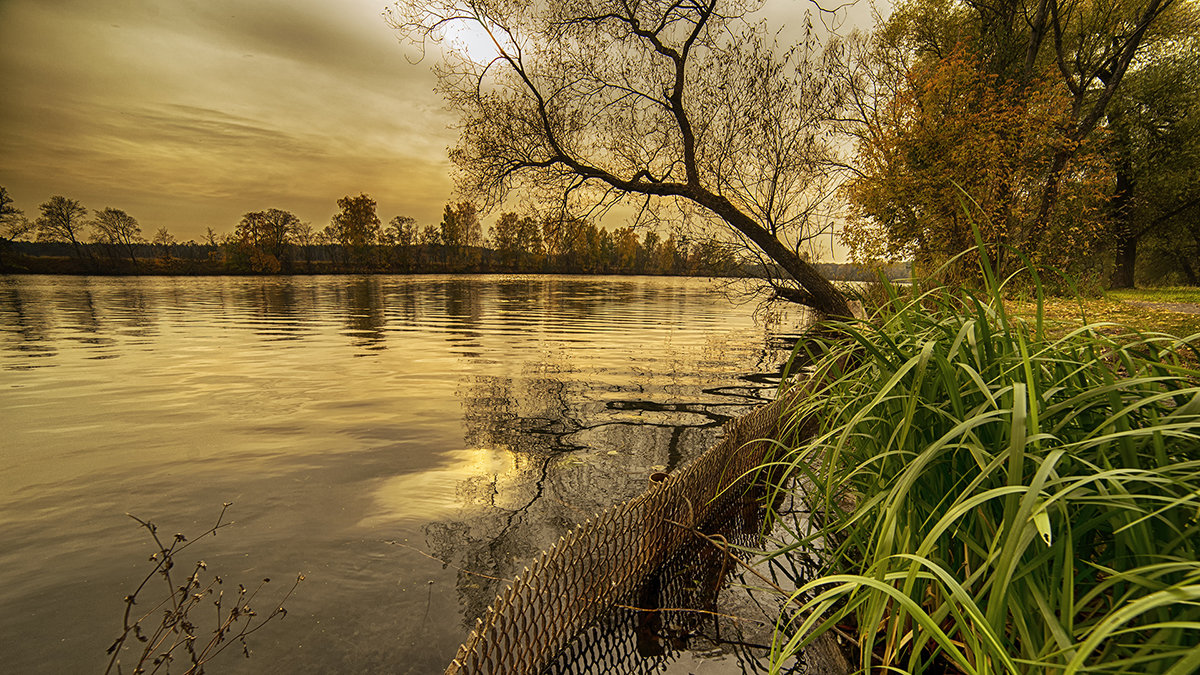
{"type": "Point", "coordinates": [375, 433]}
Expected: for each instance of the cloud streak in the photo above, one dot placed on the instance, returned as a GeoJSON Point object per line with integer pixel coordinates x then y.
{"type": "Point", "coordinates": [187, 114]}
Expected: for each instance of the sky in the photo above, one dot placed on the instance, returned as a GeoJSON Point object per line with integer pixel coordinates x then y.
{"type": "Point", "coordinates": [189, 113]}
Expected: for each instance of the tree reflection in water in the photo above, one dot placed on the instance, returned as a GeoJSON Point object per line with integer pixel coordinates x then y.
{"type": "Point", "coordinates": [475, 419]}
{"type": "Point", "coordinates": [574, 448]}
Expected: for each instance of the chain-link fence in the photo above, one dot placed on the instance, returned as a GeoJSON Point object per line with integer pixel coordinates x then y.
{"type": "Point", "coordinates": [609, 556]}
{"type": "Point", "coordinates": [680, 607]}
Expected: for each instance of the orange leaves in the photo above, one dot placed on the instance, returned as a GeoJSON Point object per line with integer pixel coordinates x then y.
{"type": "Point", "coordinates": [951, 128]}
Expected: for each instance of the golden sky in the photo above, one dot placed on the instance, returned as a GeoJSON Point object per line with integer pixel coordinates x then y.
{"type": "Point", "coordinates": [189, 113]}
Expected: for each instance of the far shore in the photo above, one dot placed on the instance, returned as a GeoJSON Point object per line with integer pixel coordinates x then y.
{"type": "Point", "coordinates": [192, 259]}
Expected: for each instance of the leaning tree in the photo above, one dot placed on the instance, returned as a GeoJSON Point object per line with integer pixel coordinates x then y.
{"type": "Point", "coordinates": [665, 105]}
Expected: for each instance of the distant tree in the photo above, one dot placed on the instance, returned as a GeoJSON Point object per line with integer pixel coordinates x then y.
{"type": "Point", "coordinates": [572, 244]}
{"type": "Point", "coordinates": [400, 237]}
{"type": "Point", "coordinates": [214, 248]}
{"type": "Point", "coordinates": [13, 223]}
{"type": "Point", "coordinates": [164, 240]}
{"type": "Point", "coordinates": [305, 237]}
{"type": "Point", "coordinates": [119, 230]}
{"type": "Point", "coordinates": [267, 235]}
{"type": "Point", "coordinates": [429, 241]}
{"type": "Point", "coordinates": [564, 231]}
{"type": "Point", "coordinates": [586, 244]}
{"type": "Point", "coordinates": [626, 244]}
{"type": "Point", "coordinates": [304, 234]}
{"type": "Point", "coordinates": [504, 238]}
{"type": "Point", "coordinates": [711, 257]}
{"type": "Point", "coordinates": [669, 259]}
{"type": "Point", "coordinates": [529, 238]}
{"type": "Point", "coordinates": [602, 250]}
{"type": "Point", "coordinates": [402, 231]}
{"type": "Point", "coordinates": [517, 240]}
{"type": "Point", "coordinates": [163, 237]}
{"type": "Point", "coordinates": [328, 237]}
{"type": "Point", "coordinates": [673, 105]}
{"type": "Point", "coordinates": [503, 233]}
{"type": "Point", "coordinates": [648, 252]}
{"type": "Point", "coordinates": [552, 236]}
{"type": "Point", "coordinates": [431, 235]}
{"type": "Point", "coordinates": [357, 226]}
{"type": "Point", "coordinates": [62, 220]}
{"type": "Point", "coordinates": [461, 229]}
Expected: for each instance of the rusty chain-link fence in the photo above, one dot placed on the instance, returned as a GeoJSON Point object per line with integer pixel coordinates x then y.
{"type": "Point", "coordinates": [686, 604]}
{"type": "Point", "coordinates": [608, 556]}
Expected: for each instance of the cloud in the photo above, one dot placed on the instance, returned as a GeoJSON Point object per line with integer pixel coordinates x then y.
{"type": "Point", "coordinates": [194, 112]}
{"type": "Point", "coordinates": [191, 112]}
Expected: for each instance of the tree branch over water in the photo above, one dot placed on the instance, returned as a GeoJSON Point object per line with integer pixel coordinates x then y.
{"type": "Point", "coordinates": [687, 103]}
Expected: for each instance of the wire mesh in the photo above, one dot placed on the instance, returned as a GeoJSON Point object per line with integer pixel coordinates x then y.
{"type": "Point", "coordinates": [610, 556]}
{"type": "Point", "coordinates": [676, 607]}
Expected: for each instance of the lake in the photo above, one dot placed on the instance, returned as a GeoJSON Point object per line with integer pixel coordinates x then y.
{"type": "Point", "coordinates": [402, 441]}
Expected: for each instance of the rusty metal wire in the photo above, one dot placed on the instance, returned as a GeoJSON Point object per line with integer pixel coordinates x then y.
{"type": "Point", "coordinates": [677, 605]}
{"type": "Point", "coordinates": [609, 556]}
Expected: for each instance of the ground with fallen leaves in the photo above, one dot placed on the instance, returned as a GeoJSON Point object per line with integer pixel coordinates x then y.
{"type": "Point", "coordinates": [1174, 310]}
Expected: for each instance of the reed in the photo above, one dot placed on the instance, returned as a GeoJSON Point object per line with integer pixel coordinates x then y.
{"type": "Point", "coordinates": [990, 496]}
{"type": "Point", "coordinates": [175, 627]}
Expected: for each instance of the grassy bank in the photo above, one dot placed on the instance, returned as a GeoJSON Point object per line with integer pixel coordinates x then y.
{"type": "Point", "coordinates": [1188, 294]}
{"type": "Point", "coordinates": [997, 493]}
{"type": "Point", "coordinates": [1154, 309]}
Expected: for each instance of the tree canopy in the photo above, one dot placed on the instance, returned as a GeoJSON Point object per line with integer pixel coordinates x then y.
{"type": "Point", "coordinates": [662, 104]}
{"type": "Point", "coordinates": [13, 223]}
{"type": "Point", "coordinates": [62, 220]}
{"type": "Point", "coordinates": [356, 225]}
{"type": "Point", "coordinates": [1155, 123]}
{"type": "Point", "coordinates": [1009, 103]}
{"type": "Point", "coordinates": [263, 238]}
{"type": "Point", "coordinates": [118, 229]}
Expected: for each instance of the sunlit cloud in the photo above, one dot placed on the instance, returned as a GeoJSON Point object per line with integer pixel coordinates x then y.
{"type": "Point", "coordinates": [188, 114]}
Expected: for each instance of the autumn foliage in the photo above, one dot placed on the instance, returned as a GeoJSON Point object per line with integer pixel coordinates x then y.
{"type": "Point", "coordinates": [956, 145]}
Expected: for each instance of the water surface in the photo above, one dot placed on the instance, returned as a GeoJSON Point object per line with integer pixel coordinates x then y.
{"type": "Point", "coordinates": [404, 442]}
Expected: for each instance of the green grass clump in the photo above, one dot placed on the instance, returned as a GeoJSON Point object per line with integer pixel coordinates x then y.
{"type": "Point", "coordinates": [990, 496]}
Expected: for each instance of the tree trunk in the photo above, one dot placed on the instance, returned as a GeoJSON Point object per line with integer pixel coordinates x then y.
{"type": "Point", "coordinates": [1122, 276]}
{"type": "Point", "coordinates": [818, 292]}
{"type": "Point", "coordinates": [1193, 279]}
{"type": "Point", "coordinates": [1041, 221]}
{"type": "Point", "coordinates": [1124, 237]}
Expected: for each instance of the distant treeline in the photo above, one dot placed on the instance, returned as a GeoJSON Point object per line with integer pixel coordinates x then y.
{"type": "Point", "coordinates": [277, 242]}
{"type": "Point", "coordinates": [191, 258]}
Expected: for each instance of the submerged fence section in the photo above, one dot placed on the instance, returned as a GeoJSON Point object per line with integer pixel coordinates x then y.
{"type": "Point", "coordinates": [588, 569]}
